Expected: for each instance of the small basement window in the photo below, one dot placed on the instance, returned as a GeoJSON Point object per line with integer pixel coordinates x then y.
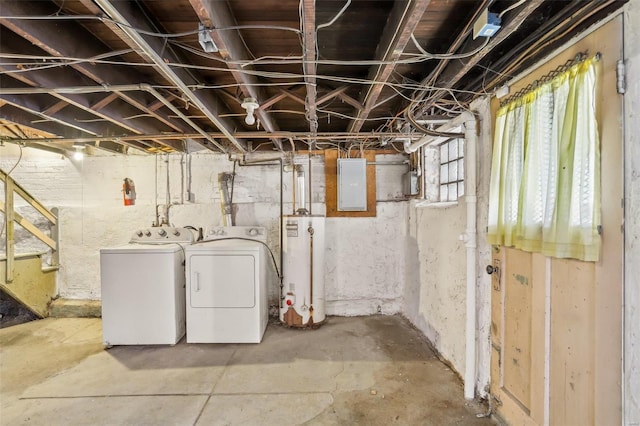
{"type": "Point", "coordinates": [444, 171]}
{"type": "Point", "coordinates": [451, 170]}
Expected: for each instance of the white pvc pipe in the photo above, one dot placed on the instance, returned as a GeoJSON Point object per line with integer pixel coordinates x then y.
{"type": "Point", "coordinates": [469, 238]}
{"type": "Point", "coordinates": [430, 140]}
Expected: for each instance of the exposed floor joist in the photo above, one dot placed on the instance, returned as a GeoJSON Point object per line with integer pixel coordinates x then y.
{"type": "Point", "coordinates": [130, 23]}
{"type": "Point", "coordinates": [458, 69]}
{"type": "Point", "coordinates": [405, 17]}
{"type": "Point", "coordinates": [47, 36]}
{"type": "Point", "coordinates": [216, 14]}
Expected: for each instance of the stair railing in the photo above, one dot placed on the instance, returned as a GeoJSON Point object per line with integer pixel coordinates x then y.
{"type": "Point", "coordinates": [11, 187]}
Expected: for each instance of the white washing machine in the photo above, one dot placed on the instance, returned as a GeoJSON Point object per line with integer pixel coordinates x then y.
{"type": "Point", "coordinates": [143, 288]}
{"type": "Point", "coordinates": [228, 275]}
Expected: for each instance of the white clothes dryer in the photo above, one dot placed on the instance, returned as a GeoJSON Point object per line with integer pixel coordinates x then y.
{"type": "Point", "coordinates": [228, 275]}
{"type": "Point", "coordinates": [143, 288]}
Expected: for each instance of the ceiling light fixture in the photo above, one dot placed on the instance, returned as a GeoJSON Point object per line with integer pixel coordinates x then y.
{"type": "Point", "coordinates": [79, 151]}
{"type": "Point", "coordinates": [204, 37]}
{"type": "Point", "coordinates": [250, 105]}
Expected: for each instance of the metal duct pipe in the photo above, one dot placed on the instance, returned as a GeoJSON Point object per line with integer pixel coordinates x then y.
{"type": "Point", "coordinates": [225, 199]}
{"type": "Point", "coordinates": [115, 89]}
{"type": "Point", "coordinates": [164, 68]}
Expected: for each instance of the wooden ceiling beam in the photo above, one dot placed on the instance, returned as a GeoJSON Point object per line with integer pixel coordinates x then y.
{"type": "Point", "coordinates": [403, 20]}
{"type": "Point", "coordinates": [156, 52]}
{"type": "Point", "coordinates": [102, 103]}
{"type": "Point", "coordinates": [25, 111]}
{"type": "Point", "coordinates": [28, 115]}
{"type": "Point", "coordinates": [62, 41]}
{"type": "Point", "coordinates": [58, 106]}
{"type": "Point", "coordinates": [456, 70]}
{"type": "Point", "coordinates": [293, 97]}
{"type": "Point", "coordinates": [84, 112]}
{"type": "Point", "coordinates": [216, 14]}
{"type": "Point", "coordinates": [272, 100]}
{"type": "Point", "coordinates": [309, 41]}
{"type": "Point", "coordinates": [348, 99]}
{"type": "Point", "coordinates": [332, 94]}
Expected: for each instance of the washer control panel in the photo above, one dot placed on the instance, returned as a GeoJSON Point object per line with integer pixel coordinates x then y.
{"type": "Point", "coordinates": [165, 234]}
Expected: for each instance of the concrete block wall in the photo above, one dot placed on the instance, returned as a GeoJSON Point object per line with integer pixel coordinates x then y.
{"type": "Point", "coordinates": [364, 256]}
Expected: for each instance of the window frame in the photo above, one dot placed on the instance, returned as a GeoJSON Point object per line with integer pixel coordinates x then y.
{"type": "Point", "coordinates": [431, 158]}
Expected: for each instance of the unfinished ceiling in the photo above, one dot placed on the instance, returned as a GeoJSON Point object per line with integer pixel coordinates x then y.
{"type": "Point", "coordinates": [121, 75]}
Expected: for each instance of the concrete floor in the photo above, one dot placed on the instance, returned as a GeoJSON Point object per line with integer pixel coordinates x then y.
{"type": "Point", "coordinates": [352, 371]}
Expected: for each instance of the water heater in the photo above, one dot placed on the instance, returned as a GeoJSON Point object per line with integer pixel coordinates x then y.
{"type": "Point", "coordinates": [303, 301]}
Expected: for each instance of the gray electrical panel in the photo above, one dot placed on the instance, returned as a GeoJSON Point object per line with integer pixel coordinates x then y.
{"type": "Point", "coordinates": [410, 183]}
{"type": "Point", "coordinates": [352, 184]}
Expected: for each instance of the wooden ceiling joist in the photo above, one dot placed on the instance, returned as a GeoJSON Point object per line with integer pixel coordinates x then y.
{"type": "Point", "coordinates": [456, 70]}
{"type": "Point", "coordinates": [47, 35]}
{"type": "Point", "coordinates": [405, 17]}
{"type": "Point", "coordinates": [216, 14]}
{"type": "Point", "coordinates": [156, 52]}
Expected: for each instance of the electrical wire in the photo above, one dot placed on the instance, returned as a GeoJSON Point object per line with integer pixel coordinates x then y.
{"type": "Point", "coordinates": [273, 258]}
{"type": "Point", "coordinates": [102, 18]}
{"type": "Point", "coordinates": [279, 75]}
{"type": "Point", "coordinates": [335, 18]}
{"type": "Point", "coordinates": [513, 6]}
{"type": "Point", "coordinates": [449, 55]}
{"type": "Point", "coordinates": [547, 39]}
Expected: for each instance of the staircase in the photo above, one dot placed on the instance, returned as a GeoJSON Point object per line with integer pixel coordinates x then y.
{"type": "Point", "coordinates": [22, 276]}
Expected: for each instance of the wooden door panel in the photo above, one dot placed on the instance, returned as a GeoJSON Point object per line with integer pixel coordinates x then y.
{"type": "Point", "coordinates": [517, 326]}
{"type": "Point", "coordinates": [572, 342]}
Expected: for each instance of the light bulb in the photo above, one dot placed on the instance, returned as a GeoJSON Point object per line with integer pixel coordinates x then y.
{"type": "Point", "coordinates": [250, 119]}
{"type": "Point", "coordinates": [78, 155]}
{"type": "Point", "coordinates": [250, 105]}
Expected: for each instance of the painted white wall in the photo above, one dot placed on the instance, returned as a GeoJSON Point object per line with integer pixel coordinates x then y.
{"type": "Point", "coordinates": [440, 311]}
{"type": "Point", "coordinates": [364, 259]}
{"type": "Point", "coordinates": [632, 216]}
{"type": "Point", "coordinates": [435, 293]}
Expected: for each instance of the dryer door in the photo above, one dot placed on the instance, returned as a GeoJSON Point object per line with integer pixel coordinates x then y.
{"type": "Point", "coordinates": [222, 281]}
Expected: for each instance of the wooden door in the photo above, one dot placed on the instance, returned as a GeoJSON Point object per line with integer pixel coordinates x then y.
{"type": "Point", "coordinates": [556, 324]}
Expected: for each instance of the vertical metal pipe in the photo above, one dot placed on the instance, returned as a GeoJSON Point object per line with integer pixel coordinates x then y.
{"type": "Point", "coordinates": [310, 230]}
{"type": "Point", "coordinates": [281, 296]}
{"type": "Point", "coordinates": [310, 193]}
{"type": "Point", "coordinates": [293, 187]}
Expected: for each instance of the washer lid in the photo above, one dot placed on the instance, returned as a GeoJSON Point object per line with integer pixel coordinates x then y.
{"type": "Point", "coordinates": [134, 248]}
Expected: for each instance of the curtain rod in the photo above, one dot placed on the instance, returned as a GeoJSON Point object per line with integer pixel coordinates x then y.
{"type": "Point", "coordinates": [580, 57]}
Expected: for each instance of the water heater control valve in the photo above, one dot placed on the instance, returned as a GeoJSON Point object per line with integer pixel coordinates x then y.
{"type": "Point", "coordinates": [290, 299]}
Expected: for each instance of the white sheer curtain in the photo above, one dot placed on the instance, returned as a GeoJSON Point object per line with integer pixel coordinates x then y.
{"type": "Point", "coordinates": [545, 177]}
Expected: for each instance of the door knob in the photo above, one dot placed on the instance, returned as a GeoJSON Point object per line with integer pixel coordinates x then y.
{"type": "Point", "coordinates": [492, 269]}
